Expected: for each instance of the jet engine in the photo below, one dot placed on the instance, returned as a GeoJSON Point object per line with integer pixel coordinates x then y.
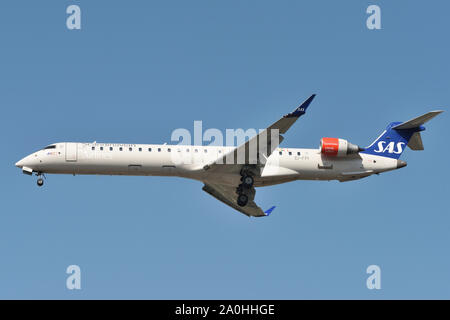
{"type": "Point", "coordinates": [334, 147]}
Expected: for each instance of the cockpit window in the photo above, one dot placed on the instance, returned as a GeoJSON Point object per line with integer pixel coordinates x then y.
{"type": "Point", "coordinates": [50, 147]}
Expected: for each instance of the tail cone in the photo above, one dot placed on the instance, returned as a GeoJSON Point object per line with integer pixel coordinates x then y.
{"type": "Point", "coordinates": [401, 164]}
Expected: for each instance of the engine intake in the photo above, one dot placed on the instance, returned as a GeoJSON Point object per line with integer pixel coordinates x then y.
{"type": "Point", "coordinates": [334, 147]}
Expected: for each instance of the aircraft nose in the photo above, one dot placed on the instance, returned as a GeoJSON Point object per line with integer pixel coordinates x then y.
{"type": "Point", "coordinates": [19, 164]}
{"type": "Point", "coordinates": [29, 162]}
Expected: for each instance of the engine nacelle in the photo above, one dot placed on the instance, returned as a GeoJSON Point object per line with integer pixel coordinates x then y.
{"type": "Point", "coordinates": [334, 147]}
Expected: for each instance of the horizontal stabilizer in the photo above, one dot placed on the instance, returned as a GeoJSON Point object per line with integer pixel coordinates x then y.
{"type": "Point", "coordinates": [417, 122]}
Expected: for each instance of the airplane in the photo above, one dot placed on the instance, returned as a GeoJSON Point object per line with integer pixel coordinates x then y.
{"type": "Point", "coordinates": [234, 182]}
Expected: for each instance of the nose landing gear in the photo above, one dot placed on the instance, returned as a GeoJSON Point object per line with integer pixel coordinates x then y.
{"type": "Point", "coordinates": [40, 181]}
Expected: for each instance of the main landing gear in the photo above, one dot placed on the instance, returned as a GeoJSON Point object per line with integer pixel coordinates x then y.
{"type": "Point", "coordinates": [247, 181]}
{"type": "Point", "coordinates": [242, 200]}
{"type": "Point", "coordinates": [245, 189]}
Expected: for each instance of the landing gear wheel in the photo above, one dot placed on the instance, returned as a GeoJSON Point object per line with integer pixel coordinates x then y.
{"type": "Point", "coordinates": [247, 181]}
{"type": "Point", "coordinates": [242, 200]}
{"type": "Point", "coordinates": [40, 182]}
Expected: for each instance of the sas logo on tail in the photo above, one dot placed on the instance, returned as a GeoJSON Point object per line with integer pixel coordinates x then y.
{"type": "Point", "coordinates": [390, 147]}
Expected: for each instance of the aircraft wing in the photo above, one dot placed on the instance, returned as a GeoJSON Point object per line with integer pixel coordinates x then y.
{"type": "Point", "coordinates": [227, 195]}
{"type": "Point", "coordinates": [257, 149]}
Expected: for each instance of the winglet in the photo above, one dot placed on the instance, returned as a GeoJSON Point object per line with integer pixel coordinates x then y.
{"type": "Point", "coordinates": [301, 109]}
{"type": "Point", "coordinates": [269, 211]}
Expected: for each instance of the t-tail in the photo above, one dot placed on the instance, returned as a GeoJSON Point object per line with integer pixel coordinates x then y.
{"type": "Point", "coordinates": [394, 139]}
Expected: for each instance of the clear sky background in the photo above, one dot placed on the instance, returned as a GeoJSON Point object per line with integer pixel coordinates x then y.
{"type": "Point", "coordinates": [137, 70]}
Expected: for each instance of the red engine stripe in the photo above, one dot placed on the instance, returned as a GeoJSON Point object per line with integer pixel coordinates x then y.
{"type": "Point", "coordinates": [330, 146]}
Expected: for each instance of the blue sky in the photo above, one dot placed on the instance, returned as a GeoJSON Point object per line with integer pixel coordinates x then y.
{"type": "Point", "coordinates": [138, 70]}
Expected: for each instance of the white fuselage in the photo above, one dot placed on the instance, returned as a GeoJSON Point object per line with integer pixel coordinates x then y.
{"type": "Point", "coordinates": [284, 164]}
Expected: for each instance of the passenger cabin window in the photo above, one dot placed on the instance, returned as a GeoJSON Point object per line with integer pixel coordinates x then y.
{"type": "Point", "coordinates": [140, 149]}
{"type": "Point", "coordinates": [168, 150]}
{"type": "Point", "coordinates": [206, 150]}
{"type": "Point", "coordinates": [149, 149]}
{"type": "Point", "coordinates": [187, 150]}
{"type": "Point", "coordinates": [50, 147]}
{"type": "Point", "coordinates": [110, 148]}
{"type": "Point", "coordinates": [196, 150]}
{"type": "Point", "coordinates": [93, 148]}
{"type": "Point", "coordinates": [159, 149]}
{"type": "Point", "coordinates": [281, 153]}
{"type": "Point", "coordinates": [130, 149]}
{"type": "Point", "coordinates": [120, 149]}
{"type": "Point", "coordinates": [290, 153]}
{"type": "Point", "coordinates": [101, 148]}
{"type": "Point", "coordinates": [298, 153]}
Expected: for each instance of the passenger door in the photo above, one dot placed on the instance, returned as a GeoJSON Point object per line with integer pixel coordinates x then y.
{"type": "Point", "coordinates": [71, 151]}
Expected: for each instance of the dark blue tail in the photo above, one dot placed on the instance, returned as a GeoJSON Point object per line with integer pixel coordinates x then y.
{"type": "Point", "coordinates": [392, 142]}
